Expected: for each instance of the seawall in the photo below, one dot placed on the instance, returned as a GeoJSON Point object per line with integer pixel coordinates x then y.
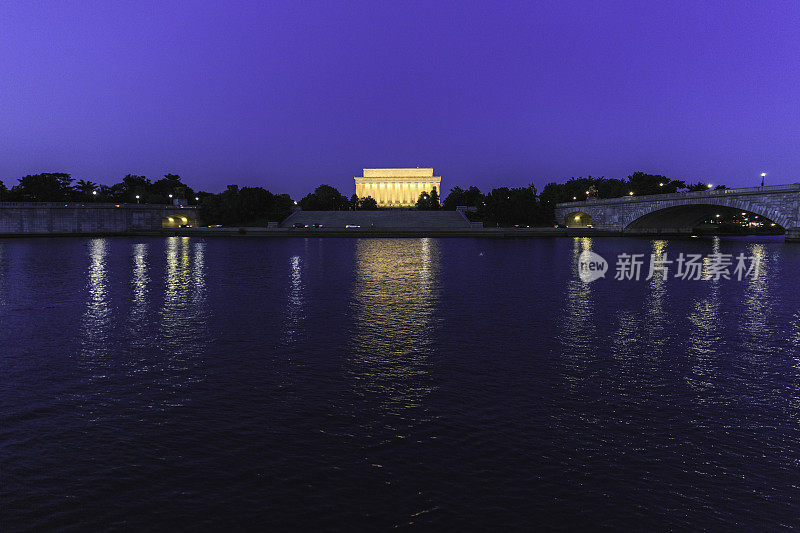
{"type": "Point", "coordinates": [49, 218]}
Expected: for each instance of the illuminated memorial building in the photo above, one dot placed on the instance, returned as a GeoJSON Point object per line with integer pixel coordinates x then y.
{"type": "Point", "coordinates": [397, 187]}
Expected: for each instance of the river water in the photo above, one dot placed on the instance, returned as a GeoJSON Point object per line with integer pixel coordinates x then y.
{"type": "Point", "coordinates": [203, 383]}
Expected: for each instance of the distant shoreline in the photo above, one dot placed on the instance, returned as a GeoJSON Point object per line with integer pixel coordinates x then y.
{"type": "Point", "coordinates": [308, 233]}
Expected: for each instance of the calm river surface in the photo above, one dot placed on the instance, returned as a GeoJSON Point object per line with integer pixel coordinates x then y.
{"type": "Point", "coordinates": [201, 383]}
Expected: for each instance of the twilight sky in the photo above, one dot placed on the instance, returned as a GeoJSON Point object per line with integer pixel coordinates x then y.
{"type": "Point", "coordinates": [288, 95]}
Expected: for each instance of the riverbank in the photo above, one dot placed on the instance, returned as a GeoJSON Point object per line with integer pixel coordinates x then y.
{"type": "Point", "coordinates": [283, 233]}
{"type": "Point", "coordinates": [491, 233]}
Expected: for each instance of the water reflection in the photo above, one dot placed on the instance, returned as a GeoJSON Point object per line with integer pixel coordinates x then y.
{"type": "Point", "coordinates": [704, 333]}
{"type": "Point", "coordinates": [395, 298]}
{"type": "Point", "coordinates": [758, 301]}
{"type": "Point", "coordinates": [578, 335]}
{"type": "Point", "coordinates": [295, 313]}
{"type": "Point", "coordinates": [3, 275]}
{"type": "Point", "coordinates": [654, 304]}
{"type": "Point", "coordinates": [183, 320]}
{"type": "Point", "coordinates": [199, 277]}
{"type": "Point", "coordinates": [96, 319]}
{"type": "Point", "coordinates": [140, 286]}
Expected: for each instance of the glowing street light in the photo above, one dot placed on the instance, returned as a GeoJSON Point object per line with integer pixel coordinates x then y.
{"type": "Point", "coordinates": [94, 193]}
{"type": "Point", "coordinates": [709, 185]}
{"type": "Point", "coordinates": [630, 193]}
{"type": "Point", "coordinates": [763, 175]}
{"type": "Point", "coordinates": [574, 197]}
{"type": "Point", "coordinates": [660, 184]}
{"type": "Point", "coordinates": [137, 198]}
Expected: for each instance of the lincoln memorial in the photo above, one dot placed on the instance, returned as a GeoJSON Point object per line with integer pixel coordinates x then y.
{"type": "Point", "coordinates": [397, 187]}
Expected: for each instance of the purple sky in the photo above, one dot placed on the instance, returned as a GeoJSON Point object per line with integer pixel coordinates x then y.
{"type": "Point", "coordinates": [288, 95]}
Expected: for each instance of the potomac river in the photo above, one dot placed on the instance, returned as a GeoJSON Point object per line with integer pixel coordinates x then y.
{"type": "Point", "coordinates": [209, 382]}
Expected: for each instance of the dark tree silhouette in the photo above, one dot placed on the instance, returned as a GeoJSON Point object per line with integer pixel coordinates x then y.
{"type": "Point", "coordinates": [325, 198]}
{"type": "Point", "coordinates": [368, 204]}
{"type": "Point", "coordinates": [84, 189]}
{"type": "Point", "coordinates": [45, 187]}
{"type": "Point", "coordinates": [434, 200]}
{"type": "Point", "coordinates": [424, 201]}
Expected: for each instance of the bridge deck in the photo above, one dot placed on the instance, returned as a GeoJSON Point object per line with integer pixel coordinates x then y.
{"type": "Point", "coordinates": [792, 187]}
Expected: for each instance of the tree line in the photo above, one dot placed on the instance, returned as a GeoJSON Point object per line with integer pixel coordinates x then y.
{"type": "Point", "coordinates": [234, 206]}
{"type": "Point", "coordinates": [61, 187]}
{"type": "Point", "coordinates": [503, 206]}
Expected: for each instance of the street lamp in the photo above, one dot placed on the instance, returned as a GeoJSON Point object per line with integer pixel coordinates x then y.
{"type": "Point", "coordinates": [709, 185]}
{"type": "Point", "coordinates": [137, 198]}
{"type": "Point", "coordinates": [630, 193]}
{"type": "Point", "coordinates": [660, 184]}
{"type": "Point", "coordinates": [763, 175]}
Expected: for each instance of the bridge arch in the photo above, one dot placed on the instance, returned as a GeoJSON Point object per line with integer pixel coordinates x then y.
{"type": "Point", "coordinates": [686, 213]}
{"type": "Point", "coordinates": [577, 219]}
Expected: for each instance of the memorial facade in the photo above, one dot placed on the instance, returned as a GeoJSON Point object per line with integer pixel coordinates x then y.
{"type": "Point", "coordinates": [397, 187]}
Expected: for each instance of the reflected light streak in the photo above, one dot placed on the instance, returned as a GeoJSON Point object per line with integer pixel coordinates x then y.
{"type": "Point", "coordinates": [704, 336]}
{"type": "Point", "coordinates": [139, 282]}
{"type": "Point", "coordinates": [183, 328]}
{"type": "Point", "coordinates": [294, 301]}
{"type": "Point", "coordinates": [757, 295]}
{"type": "Point", "coordinates": [654, 305]}
{"type": "Point", "coordinates": [97, 317]}
{"type": "Point", "coordinates": [578, 333]}
{"type": "Point", "coordinates": [395, 299]}
{"type": "Point", "coordinates": [3, 274]}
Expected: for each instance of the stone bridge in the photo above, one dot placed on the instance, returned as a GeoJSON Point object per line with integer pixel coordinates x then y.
{"type": "Point", "coordinates": [680, 212]}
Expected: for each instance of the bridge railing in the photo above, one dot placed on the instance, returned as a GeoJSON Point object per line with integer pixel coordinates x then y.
{"type": "Point", "coordinates": [792, 187]}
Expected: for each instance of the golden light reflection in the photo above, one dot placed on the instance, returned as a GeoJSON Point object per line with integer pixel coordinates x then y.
{"type": "Point", "coordinates": [654, 305]}
{"type": "Point", "coordinates": [715, 249]}
{"type": "Point", "coordinates": [183, 329]}
{"type": "Point", "coordinates": [578, 334]}
{"type": "Point", "coordinates": [395, 298]}
{"type": "Point", "coordinates": [758, 300]}
{"type": "Point", "coordinates": [176, 294]}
